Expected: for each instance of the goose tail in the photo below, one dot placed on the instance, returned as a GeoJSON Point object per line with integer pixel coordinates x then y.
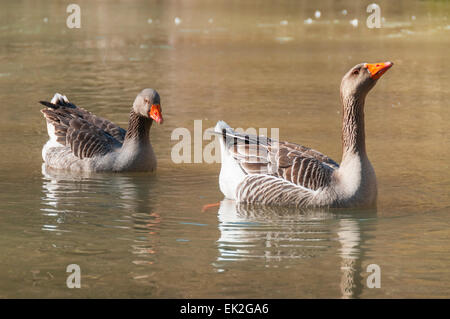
{"type": "Point", "coordinates": [58, 101]}
{"type": "Point", "coordinates": [231, 173]}
{"type": "Point", "coordinates": [55, 130]}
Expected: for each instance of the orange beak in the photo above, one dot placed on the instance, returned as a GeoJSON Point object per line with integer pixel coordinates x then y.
{"type": "Point", "coordinates": [377, 69]}
{"type": "Point", "coordinates": [155, 113]}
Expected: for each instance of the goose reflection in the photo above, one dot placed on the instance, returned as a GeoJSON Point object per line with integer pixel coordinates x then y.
{"type": "Point", "coordinates": [274, 234]}
{"type": "Point", "coordinates": [245, 229]}
{"type": "Point", "coordinates": [351, 255]}
{"type": "Point", "coordinates": [103, 212]}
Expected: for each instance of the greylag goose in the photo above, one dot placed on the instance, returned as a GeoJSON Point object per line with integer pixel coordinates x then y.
{"type": "Point", "coordinates": [82, 141]}
{"type": "Point", "coordinates": [258, 169]}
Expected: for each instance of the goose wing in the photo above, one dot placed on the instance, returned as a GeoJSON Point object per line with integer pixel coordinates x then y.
{"type": "Point", "coordinates": [291, 162]}
{"type": "Point", "coordinates": [61, 103]}
{"type": "Point", "coordinates": [86, 134]}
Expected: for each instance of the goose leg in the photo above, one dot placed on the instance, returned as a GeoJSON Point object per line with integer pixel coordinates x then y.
{"type": "Point", "coordinates": [208, 206]}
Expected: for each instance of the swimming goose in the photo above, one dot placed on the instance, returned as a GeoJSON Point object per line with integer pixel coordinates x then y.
{"type": "Point", "coordinates": [82, 141]}
{"type": "Point", "coordinates": [258, 169]}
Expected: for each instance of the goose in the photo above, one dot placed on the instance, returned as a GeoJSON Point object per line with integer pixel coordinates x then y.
{"type": "Point", "coordinates": [260, 170]}
{"type": "Point", "coordinates": [81, 141]}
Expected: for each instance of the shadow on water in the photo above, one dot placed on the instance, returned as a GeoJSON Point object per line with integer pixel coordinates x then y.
{"type": "Point", "coordinates": [281, 234]}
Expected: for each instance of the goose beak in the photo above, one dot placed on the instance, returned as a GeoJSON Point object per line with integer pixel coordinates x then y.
{"type": "Point", "coordinates": [376, 70]}
{"type": "Point", "coordinates": [155, 113]}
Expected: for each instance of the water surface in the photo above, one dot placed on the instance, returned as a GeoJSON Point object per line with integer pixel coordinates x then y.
{"type": "Point", "coordinates": [145, 235]}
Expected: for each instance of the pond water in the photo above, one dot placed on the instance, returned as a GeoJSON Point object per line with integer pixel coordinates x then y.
{"type": "Point", "coordinates": [260, 64]}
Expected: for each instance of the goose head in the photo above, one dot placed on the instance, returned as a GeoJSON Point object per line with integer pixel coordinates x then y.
{"type": "Point", "coordinates": [360, 79]}
{"type": "Point", "coordinates": [148, 104]}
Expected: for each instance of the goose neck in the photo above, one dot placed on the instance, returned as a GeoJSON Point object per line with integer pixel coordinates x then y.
{"type": "Point", "coordinates": [353, 130]}
{"type": "Point", "coordinates": [138, 128]}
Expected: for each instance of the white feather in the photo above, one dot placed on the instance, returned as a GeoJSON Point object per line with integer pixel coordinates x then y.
{"type": "Point", "coordinates": [231, 174]}
{"type": "Point", "coordinates": [52, 142]}
{"type": "Point", "coordinates": [55, 98]}
{"type": "Point", "coordinates": [59, 98]}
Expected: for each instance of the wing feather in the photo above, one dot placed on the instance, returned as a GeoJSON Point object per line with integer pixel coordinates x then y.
{"type": "Point", "coordinates": [272, 190]}
{"type": "Point", "coordinates": [291, 162]}
{"type": "Point", "coordinates": [67, 111]}
{"type": "Point", "coordinates": [87, 135]}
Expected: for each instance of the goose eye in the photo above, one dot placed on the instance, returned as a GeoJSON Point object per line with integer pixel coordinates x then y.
{"type": "Point", "coordinates": [356, 72]}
